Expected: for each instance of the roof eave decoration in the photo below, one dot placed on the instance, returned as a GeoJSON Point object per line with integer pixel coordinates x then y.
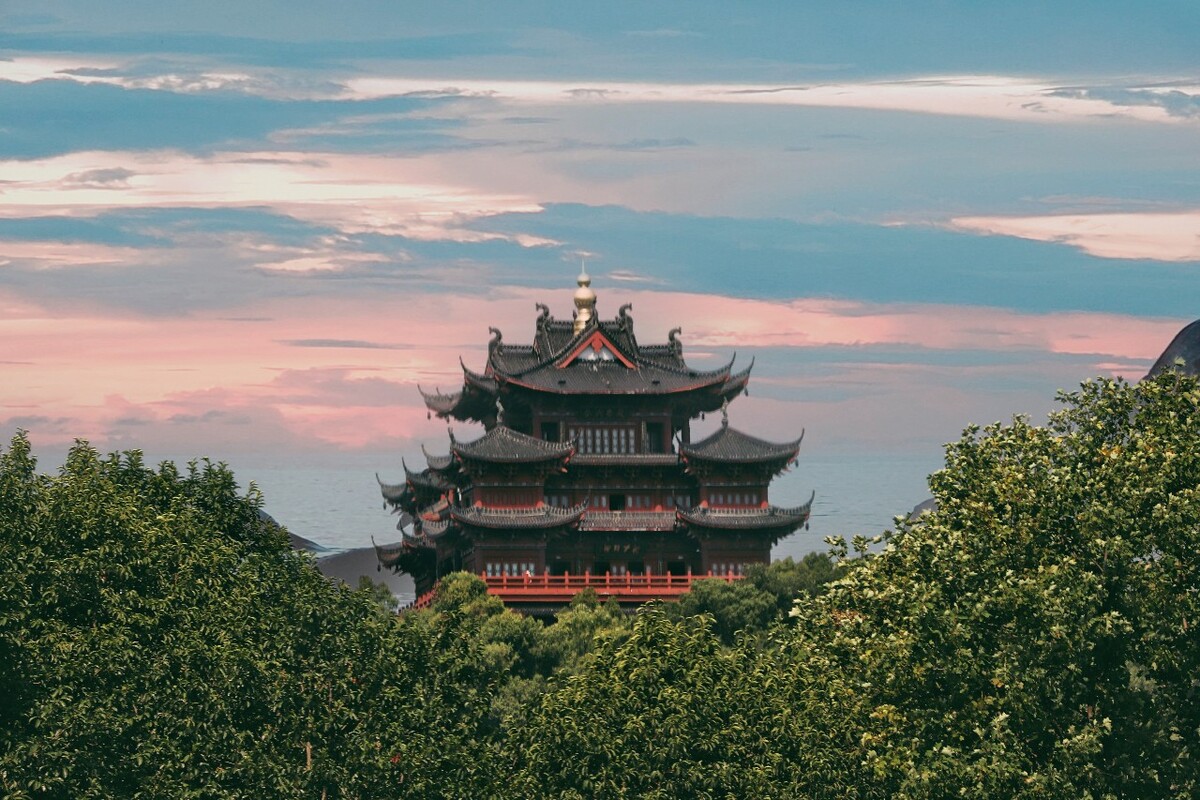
{"type": "Point", "coordinates": [426, 478]}
{"type": "Point", "coordinates": [392, 492]}
{"type": "Point", "coordinates": [413, 542]}
{"type": "Point", "coordinates": [528, 519]}
{"type": "Point", "coordinates": [434, 530]}
{"type": "Point", "coordinates": [388, 554]}
{"type": "Point", "coordinates": [712, 376]}
{"type": "Point", "coordinates": [737, 383]}
{"type": "Point", "coordinates": [769, 517]}
{"type": "Point", "coordinates": [598, 343]}
{"type": "Point", "coordinates": [438, 403]}
{"type": "Point", "coordinates": [484, 382]}
{"type": "Point", "coordinates": [438, 463]}
{"type": "Point", "coordinates": [718, 445]}
{"type": "Point", "coordinates": [505, 445]}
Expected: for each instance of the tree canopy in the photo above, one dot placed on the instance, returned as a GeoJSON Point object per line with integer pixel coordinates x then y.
{"type": "Point", "coordinates": [158, 639]}
{"type": "Point", "coordinates": [1033, 637]}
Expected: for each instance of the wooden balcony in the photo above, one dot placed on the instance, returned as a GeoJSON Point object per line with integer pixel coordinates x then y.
{"type": "Point", "coordinates": [545, 589]}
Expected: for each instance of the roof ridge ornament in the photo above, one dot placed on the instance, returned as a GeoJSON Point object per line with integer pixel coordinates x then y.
{"type": "Point", "coordinates": [725, 413]}
{"type": "Point", "coordinates": [499, 412]}
{"type": "Point", "coordinates": [673, 340]}
{"type": "Point", "coordinates": [585, 299]}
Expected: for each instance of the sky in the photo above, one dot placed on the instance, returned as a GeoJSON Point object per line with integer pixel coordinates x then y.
{"type": "Point", "coordinates": [231, 228]}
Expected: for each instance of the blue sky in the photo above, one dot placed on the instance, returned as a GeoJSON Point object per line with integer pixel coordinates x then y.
{"type": "Point", "coordinates": [230, 227]}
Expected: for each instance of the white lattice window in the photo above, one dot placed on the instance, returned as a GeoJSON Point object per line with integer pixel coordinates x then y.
{"type": "Point", "coordinates": [604, 439]}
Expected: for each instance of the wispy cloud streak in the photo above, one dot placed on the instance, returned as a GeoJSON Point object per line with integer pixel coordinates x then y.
{"type": "Point", "coordinates": [994, 97]}
{"type": "Point", "coordinates": [1160, 236]}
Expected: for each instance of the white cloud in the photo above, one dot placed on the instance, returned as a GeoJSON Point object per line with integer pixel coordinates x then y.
{"type": "Point", "coordinates": [995, 97]}
{"type": "Point", "coordinates": [988, 96]}
{"type": "Point", "coordinates": [180, 78]}
{"type": "Point", "coordinates": [294, 260]}
{"type": "Point", "coordinates": [356, 193]}
{"type": "Point", "coordinates": [27, 69]}
{"type": "Point", "coordinates": [1159, 236]}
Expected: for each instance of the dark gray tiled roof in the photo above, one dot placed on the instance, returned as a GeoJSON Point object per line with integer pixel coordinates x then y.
{"type": "Point", "coordinates": [541, 517]}
{"type": "Point", "coordinates": [749, 519]}
{"type": "Point", "coordinates": [394, 493]}
{"type": "Point", "coordinates": [505, 445]}
{"type": "Point", "coordinates": [628, 521]}
{"type": "Point", "coordinates": [434, 530]}
{"type": "Point", "coordinates": [477, 380]}
{"type": "Point", "coordinates": [657, 369]}
{"type": "Point", "coordinates": [730, 444]}
{"type": "Point", "coordinates": [624, 459]}
{"type": "Point", "coordinates": [440, 403]}
{"type": "Point", "coordinates": [389, 554]}
{"type": "Point", "coordinates": [427, 479]}
{"type": "Point", "coordinates": [613, 377]}
{"type": "Point", "coordinates": [438, 463]}
{"type": "Point", "coordinates": [553, 336]}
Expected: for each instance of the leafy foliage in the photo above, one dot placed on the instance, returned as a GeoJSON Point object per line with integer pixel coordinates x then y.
{"type": "Point", "coordinates": [157, 639]}
{"type": "Point", "coordinates": [1033, 637]}
{"type": "Point", "coordinates": [751, 605]}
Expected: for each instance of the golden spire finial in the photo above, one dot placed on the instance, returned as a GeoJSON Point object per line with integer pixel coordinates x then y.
{"type": "Point", "coordinates": [585, 299]}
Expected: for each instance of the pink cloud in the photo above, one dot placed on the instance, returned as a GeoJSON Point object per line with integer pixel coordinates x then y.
{"type": "Point", "coordinates": [314, 372]}
{"type": "Point", "coordinates": [50, 254]}
{"type": "Point", "coordinates": [742, 323]}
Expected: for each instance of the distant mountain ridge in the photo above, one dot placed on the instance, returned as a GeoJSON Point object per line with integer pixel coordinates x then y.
{"type": "Point", "coordinates": [1182, 352]}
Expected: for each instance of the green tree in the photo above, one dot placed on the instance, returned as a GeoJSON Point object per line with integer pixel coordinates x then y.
{"type": "Point", "coordinates": [734, 607]}
{"type": "Point", "coordinates": [159, 640]}
{"type": "Point", "coordinates": [669, 711]}
{"type": "Point", "coordinates": [577, 630]}
{"type": "Point", "coordinates": [380, 592]}
{"type": "Point", "coordinates": [762, 598]}
{"type": "Point", "coordinates": [787, 580]}
{"type": "Point", "coordinates": [1035, 636]}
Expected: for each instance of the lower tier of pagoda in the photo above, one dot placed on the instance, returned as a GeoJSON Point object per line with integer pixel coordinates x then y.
{"type": "Point", "coordinates": [655, 550]}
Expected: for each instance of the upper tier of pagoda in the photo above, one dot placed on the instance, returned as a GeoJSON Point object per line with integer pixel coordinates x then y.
{"type": "Point", "coordinates": [586, 356]}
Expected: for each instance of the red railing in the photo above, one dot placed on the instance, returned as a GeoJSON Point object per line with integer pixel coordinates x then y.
{"type": "Point", "coordinates": [546, 588]}
{"type": "Point", "coordinates": [424, 601]}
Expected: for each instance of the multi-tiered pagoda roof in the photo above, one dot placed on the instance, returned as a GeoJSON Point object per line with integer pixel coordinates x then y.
{"type": "Point", "coordinates": [586, 464]}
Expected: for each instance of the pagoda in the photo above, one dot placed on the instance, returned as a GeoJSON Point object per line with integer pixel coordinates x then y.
{"type": "Point", "coordinates": [586, 474]}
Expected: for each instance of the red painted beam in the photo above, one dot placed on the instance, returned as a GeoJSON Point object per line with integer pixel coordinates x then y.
{"type": "Point", "coordinates": [546, 588]}
{"type": "Point", "coordinates": [517, 589]}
